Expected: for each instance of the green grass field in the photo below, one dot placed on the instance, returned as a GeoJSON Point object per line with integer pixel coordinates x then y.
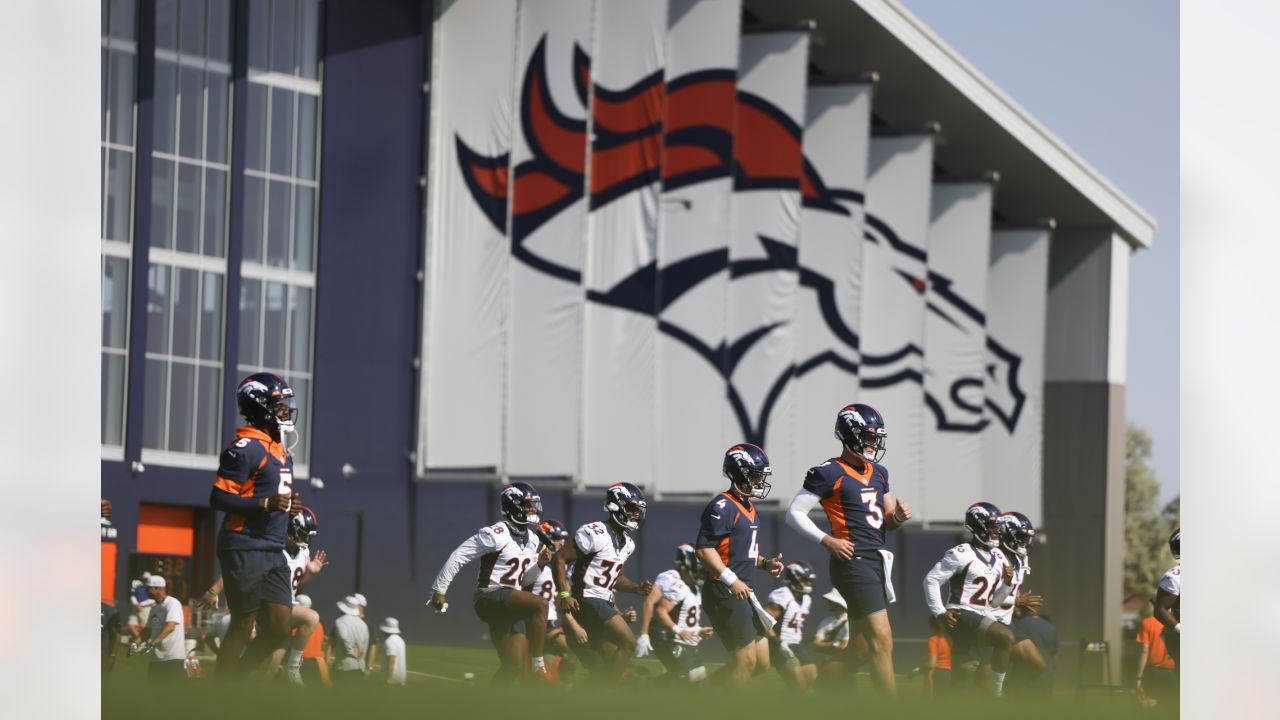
{"type": "Point", "coordinates": [436, 690]}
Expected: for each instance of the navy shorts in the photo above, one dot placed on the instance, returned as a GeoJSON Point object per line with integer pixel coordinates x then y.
{"type": "Point", "coordinates": [969, 636]}
{"type": "Point", "coordinates": [678, 659]}
{"type": "Point", "coordinates": [802, 651]}
{"type": "Point", "coordinates": [734, 620]}
{"type": "Point", "coordinates": [593, 613]}
{"type": "Point", "coordinates": [491, 607]}
{"type": "Point", "coordinates": [253, 577]}
{"type": "Point", "coordinates": [860, 581]}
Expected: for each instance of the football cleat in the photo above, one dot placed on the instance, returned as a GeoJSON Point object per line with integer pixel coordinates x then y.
{"type": "Point", "coordinates": [981, 521]}
{"type": "Point", "coordinates": [625, 504]}
{"type": "Point", "coordinates": [860, 428]}
{"type": "Point", "coordinates": [521, 504]}
{"type": "Point", "coordinates": [747, 467]}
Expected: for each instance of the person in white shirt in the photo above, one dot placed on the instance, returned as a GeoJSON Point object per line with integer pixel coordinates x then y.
{"type": "Point", "coordinates": [833, 633]}
{"type": "Point", "coordinates": [674, 606]}
{"type": "Point", "coordinates": [1169, 603]}
{"type": "Point", "coordinates": [598, 552]}
{"type": "Point", "coordinates": [348, 643]}
{"type": "Point", "coordinates": [790, 605]}
{"type": "Point", "coordinates": [973, 573]}
{"type": "Point", "coordinates": [393, 649]}
{"type": "Point", "coordinates": [164, 636]}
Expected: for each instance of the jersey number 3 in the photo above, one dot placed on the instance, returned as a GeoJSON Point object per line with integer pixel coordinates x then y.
{"type": "Point", "coordinates": [875, 518]}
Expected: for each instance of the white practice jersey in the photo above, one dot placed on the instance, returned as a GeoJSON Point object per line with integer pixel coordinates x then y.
{"type": "Point", "coordinates": [1006, 595]}
{"type": "Point", "coordinates": [686, 612]}
{"type": "Point", "coordinates": [1171, 582]}
{"type": "Point", "coordinates": [794, 612]}
{"type": "Point", "coordinates": [504, 555]}
{"type": "Point", "coordinates": [545, 587]}
{"type": "Point", "coordinates": [297, 568]}
{"type": "Point", "coordinates": [602, 554]}
{"type": "Point", "coordinates": [834, 629]}
{"type": "Point", "coordinates": [971, 577]}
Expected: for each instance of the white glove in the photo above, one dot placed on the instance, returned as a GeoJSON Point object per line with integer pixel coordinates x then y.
{"type": "Point", "coordinates": [643, 647]}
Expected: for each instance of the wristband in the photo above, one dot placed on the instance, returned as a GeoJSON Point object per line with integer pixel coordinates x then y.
{"type": "Point", "coordinates": [728, 578]}
{"type": "Point", "coordinates": [1176, 628]}
{"type": "Point", "coordinates": [266, 504]}
{"type": "Point", "coordinates": [564, 594]}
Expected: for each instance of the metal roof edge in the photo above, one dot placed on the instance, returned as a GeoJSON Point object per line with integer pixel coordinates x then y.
{"type": "Point", "coordinates": [1134, 223]}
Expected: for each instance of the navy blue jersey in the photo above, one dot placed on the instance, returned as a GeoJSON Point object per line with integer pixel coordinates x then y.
{"type": "Point", "coordinates": [730, 527]}
{"type": "Point", "coordinates": [254, 466]}
{"type": "Point", "coordinates": [854, 501]}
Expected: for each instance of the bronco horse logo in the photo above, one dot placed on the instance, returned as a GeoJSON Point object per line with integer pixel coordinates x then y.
{"type": "Point", "coordinates": [697, 144]}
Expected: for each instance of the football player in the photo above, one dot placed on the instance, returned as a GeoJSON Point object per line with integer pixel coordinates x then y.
{"type": "Point", "coordinates": [729, 549]}
{"type": "Point", "coordinates": [599, 552]}
{"type": "Point", "coordinates": [1169, 602]}
{"type": "Point", "coordinates": [1017, 536]}
{"type": "Point", "coordinates": [302, 567]}
{"type": "Point", "coordinates": [789, 605]}
{"type": "Point", "coordinates": [254, 488]}
{"type": "Point", "coordinates": [553, 535]}
{"type": "Point", "coordinates": [853, 489]}
{"type": "Point", "coordinates": [675, 606]}
{"type": "Point", "coordinates": [507, 551]}
{"type": "Point", "coordinates": [973, 572]}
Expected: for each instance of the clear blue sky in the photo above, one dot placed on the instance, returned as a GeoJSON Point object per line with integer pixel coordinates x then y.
{"type": "Point", "coordinates": [1103, 77]}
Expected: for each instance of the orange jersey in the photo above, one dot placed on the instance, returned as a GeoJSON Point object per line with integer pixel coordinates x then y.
{"type": "Point", "coordinates": [314, 643]}
{"type": "Point", "coordinates": [1149, 633]}
{"type": "Point", "coordinates": [940, 648]}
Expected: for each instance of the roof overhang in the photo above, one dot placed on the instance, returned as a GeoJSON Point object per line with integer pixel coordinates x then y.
{"type": "Point", "coordinates": [921, 79]}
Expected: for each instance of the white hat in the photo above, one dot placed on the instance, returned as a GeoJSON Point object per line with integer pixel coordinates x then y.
{"type": "Point", "coordinates": [155, 581]}
{"type": "Point", "coordinates": [836, 598]}
{"type": "Point", "coordinates": [360, 600]}
{"type": "Point", "coordinates": [348, 606]}
{"type": "Point", "coordinates": [390, 625]}
{"type": "Point", "coordinates": [304, 601]}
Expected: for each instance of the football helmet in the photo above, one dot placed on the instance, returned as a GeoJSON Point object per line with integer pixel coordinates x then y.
{"type": "Point", "coordinates": [302, 527]}
{"type": "Point", "coordinates": [554, 530]}
{"type": "Point", "coordinates": [860, 428]}
{"type": "Point", "coordinates": [625, 504]}
{"type": "Point", "coordinates": [521, 504]}
{"type": "Point", "coordinates": [267, 401]}
{"type": "Point", "coordinates": [1017, 534]}
{"type": "Point", "coordinates": [799, 577]}
{"type": "Point", "coordinates": [747, 467]}
{"type": "Point", "coordinates": [981, 519]}
{"type": "Point", "coordinates": [687, 561]}
{"type": "Point", "coordinates": [1175, 544]}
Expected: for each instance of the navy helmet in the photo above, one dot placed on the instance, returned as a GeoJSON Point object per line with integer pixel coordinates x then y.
{"type": "Point", "coordinates": [1017, 534]}
{"type": "Point", "coordinates": [626, 505]}
{"type": "Point", "coordinates": [521, 504]}
{"type": "Point", "coordinates": [860, 428]}
{"type": "Point", "coordinates": [1175, 544]}
{"type": "Point", "coordinates": [981, 519]}
{"type": "Point", "coordinates": [266, 401]}
{"type": "Point", "coordinates": [747, 467]}
{"type": "Point", "coordinates": [799, 576]}
{"type": "Point", "coordinates": [687, 560]}
{"type": "Point", "coordinates": [303, 527]}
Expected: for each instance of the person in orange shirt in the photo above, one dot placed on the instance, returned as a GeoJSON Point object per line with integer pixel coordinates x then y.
{"type": "Point", "coordinates": [937, 674]}
{"type": "Point", "coordinates": [314, 651]}
{"type": "Point", "coordinates": [1155, 676]}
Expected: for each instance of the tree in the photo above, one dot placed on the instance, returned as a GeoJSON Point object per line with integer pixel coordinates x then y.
{"type": "Point", "coordinates": [1146, 525]}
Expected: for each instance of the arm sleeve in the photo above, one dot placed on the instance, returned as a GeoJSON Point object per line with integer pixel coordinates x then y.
{"type": "Point", "coordinates": [470, 549]}
{"type": "Point", "coordinates": [798, 515]}
{"type": "Point", "coordinates": [933, 581]}
{"type": "Point", "coordinates": [714, 525]}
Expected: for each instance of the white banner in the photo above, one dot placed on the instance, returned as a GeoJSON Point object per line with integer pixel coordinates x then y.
{"type": "Point", "coordinates": [955, 355]}
{"type": "Point", "coordinates": [836, 139]}
{"type": "Point", "coordinates": [619, 324]}
{"type": "Point", "coordinates": [464, 343]}
{"type": "Point", "coordinates": [763, 276]}
{"type": "Point", "coordinates": [1012, 443]}
{"type": "Point", "coordinates": [894, 278]}
{"type": "Point", "coordinates": [693, 244]}
{"type": "Point", "coordinates": [547, 217]}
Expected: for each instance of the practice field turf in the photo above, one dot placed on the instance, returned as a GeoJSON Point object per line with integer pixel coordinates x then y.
{"type": "Point", "coordinates": [437, 690]}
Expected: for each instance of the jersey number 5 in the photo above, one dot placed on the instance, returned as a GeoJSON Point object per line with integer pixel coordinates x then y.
{"type": "Point", "coordinates": [286, 482]}
{"type": "Point", "coordinates": [875, 518]}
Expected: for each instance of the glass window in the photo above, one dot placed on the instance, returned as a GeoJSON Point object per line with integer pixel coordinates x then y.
{"type": "Point", "coordinates": [192, 26]}
{"type": "Point", "coordinates": [215, 212]}
{"type": "Point", "coordinates": [167, 24]}
{"type": "Point", "coordinates": [122, 19]}
{"type": "Point", "coordinates": [219, 111]}
{"type": "Point", "coordinates": [158, 297]}
{"type": "Point", "coordinates": [307, 136]}
{"type": "Point", "coordinates": [155, 416]}
{"type": "Point", "coordinates": [115, 302]}
{"type": "Point", "coordinates": [191, 119]}
{"type": "Point", "coordinates": [255, 139]}
{"type": "Point", "coordinates": [208, 398]}
{"type": "Point", "coordinates": [161, 203]}
{"type": "Point", "coordinates": [210, 316]}
{"type": "Point", "coordinates": [187, 233]}
{"type": "Point", "coordinates": [186, 305]}
{"type": "Point", "coordinates": [250, 321]}
{"type": "Point", "coordinates": [299, 328]}
{"type": "Point", "coordinates": [258, 27]}
{"type": "Point", "coordinates": [120, 107]}
{"type": "Point", "coordinates": [113, 383]}
{"type": "Point", "coordinates": [273, 327]}
{"type": "Point", "coordinates": [278, 224]}
{"type": "Point", "coordinates": [165, 105]}
{"type": "Point", "coordinates": [254, 216]}
{"type": "Point", "coordinates": [281, 131]}
{"type": "Point", "coordinates": [309, 39]}
{"type": "Point", "coordinates": [303, 227]}
{"type": "Point", "coordinates": [119, 205]}
{"type": "Point", "coordinates": [182, 389]}
{"type": "Point", "coordinates": [282, 36]}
